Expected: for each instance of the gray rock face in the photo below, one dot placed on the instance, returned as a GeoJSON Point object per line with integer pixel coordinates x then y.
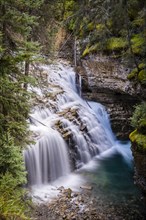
{"type": "Point", "coordinates": [104, 80]}
{"type": "Point", "coordinates": [140, 169]}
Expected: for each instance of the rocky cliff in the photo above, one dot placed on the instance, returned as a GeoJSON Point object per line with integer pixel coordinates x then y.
{"type": "Point", "coordinates": [105, 80]}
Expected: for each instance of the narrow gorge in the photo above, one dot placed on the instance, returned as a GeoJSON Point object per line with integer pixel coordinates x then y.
{"type": "Point", "coordinates": [72, 110]}
{"type": "Point", "coordinates": [74, 140]}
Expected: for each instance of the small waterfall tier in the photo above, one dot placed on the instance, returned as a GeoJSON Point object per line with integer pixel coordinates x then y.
{"type": "Point", "coordinates": [48, 159]}
{"type": "Point", "coordinates": [67, 129]}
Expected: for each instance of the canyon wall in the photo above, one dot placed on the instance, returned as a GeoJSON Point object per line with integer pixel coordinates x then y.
{"type": "Point", "coordinates": [105, 80]}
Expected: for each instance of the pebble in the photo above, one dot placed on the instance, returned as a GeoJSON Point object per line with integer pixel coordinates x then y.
{"type": "Point", "coordinates": [82, 206]}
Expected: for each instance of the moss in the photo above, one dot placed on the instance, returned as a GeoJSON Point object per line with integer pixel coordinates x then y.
{"type": "Point", "coordinates": [132, 135]}
{"type": "Point", "coordinates": [139, 139]}
{"type": "Point", "coordinates": [133, 74]}
{"type": "Point", "coordinates": [142, 76]}
{"type": "Point", "coordinates": [90, 49]}
{"type": "Point", "coordinates": [85, 52]}
{"type": "Point", "coordinates": [116, 43]}
{"type": "Point", "coordinates": [137, 43]}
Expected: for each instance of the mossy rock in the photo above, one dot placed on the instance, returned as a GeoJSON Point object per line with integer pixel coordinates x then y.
{"type": "Point", "coordinates": [133, 74]}
{"type": "Point", "coordinates": [139, 139]}
{"type": "Point", "coordinates": [142, 76]}
{"type": "Point", "coordinates": [116, 44]}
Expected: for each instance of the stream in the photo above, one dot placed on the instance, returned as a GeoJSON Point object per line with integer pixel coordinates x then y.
{"type": "Point", "coordinates": [74, 134]}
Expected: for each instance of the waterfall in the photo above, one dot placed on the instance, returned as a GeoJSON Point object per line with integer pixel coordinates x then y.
{"type": "Point", "coordinates": [64, 114]}
{"type": "Point", "coordinates": [47, 160]}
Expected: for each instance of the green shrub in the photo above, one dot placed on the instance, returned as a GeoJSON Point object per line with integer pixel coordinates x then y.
{"type": "Point", "coordinates": [139, 139]}
{"type": "Point", "coordinates": [11, 159]}
{"type": "Point", "coordinates": [13, 204]}
{"type": "Point", "coordinates": [139, 115]}
{"type": "Point", "coordinates": [138, 121]}
{"type": "Point", "coordinates": [12, 177]}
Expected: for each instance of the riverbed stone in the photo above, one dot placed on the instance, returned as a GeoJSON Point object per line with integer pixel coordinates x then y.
{"type": "Point", "coordinates": [81, 207]}
{"type": "Point", "coordinates": [86, 187]}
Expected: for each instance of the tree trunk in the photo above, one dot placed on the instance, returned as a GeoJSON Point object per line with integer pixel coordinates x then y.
{"type": "Point", "coordinates": [26, 72]}
{"type": "Point", "coordinates": [75, 52]}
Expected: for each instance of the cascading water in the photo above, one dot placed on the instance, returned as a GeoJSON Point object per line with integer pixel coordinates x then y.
{"type": "Point", "coordinates": [71, 133]}
{"type": "Point", "coordinates": [64, 113]}
{"type": "Point", "coordinates": [48, 159]}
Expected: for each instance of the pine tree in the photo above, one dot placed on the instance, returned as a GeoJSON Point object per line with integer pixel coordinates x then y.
{"type": "Point", "coordinates": [16, 52]}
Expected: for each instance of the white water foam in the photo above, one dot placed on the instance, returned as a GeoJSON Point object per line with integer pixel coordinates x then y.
{"type": "Point", "coordinates": [47, 161]}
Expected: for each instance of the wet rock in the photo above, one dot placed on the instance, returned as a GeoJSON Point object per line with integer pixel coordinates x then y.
{"type": "Point", "coordinates": [75, 194]}
{"type": "Point", "coordinates": [104, 80]}
{"type": "Point", "coordinates": [83, 127]}
{"type": "Point", "coordinates": [86, 187]}
{"type": "Point", "coordinates": [67, 135]}
{"type": "Point", "coordinates": [80, 207]}
{"type": "Point", "coordinates": [61, 188]}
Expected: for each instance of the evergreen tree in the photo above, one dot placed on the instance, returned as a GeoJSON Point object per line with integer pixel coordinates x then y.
{"type": "Point", "coordinates": [50, 20]}
{"type": "Point", "coordinates": [16, 51]}
{"type": "Point", "coordinates": [113, 27]}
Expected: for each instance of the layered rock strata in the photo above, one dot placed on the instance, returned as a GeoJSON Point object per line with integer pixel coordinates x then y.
{"type": "Point", "coordinates": [105, 80]}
